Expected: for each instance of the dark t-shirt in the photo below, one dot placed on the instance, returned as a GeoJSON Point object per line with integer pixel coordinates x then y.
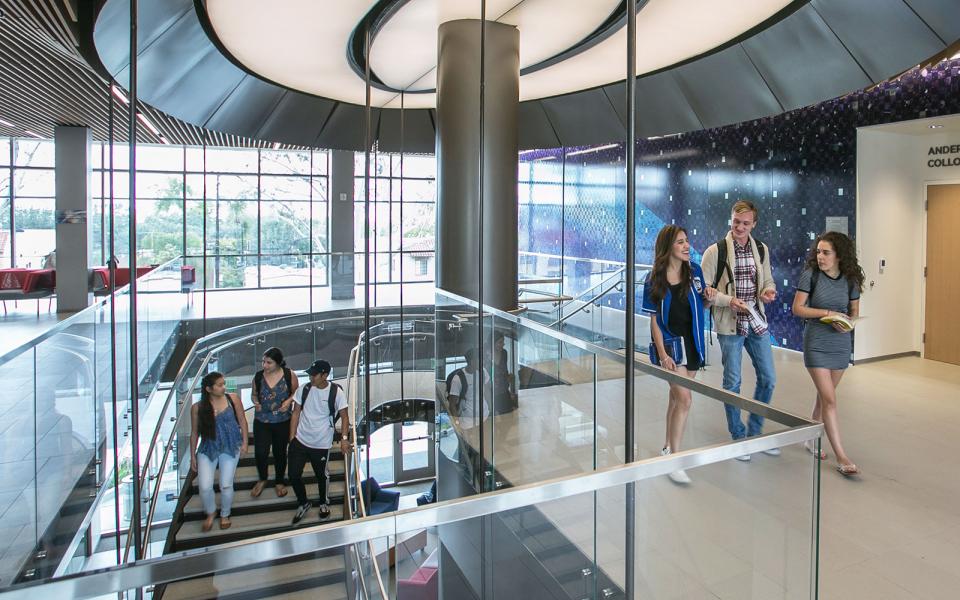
{"type": "Point", "coordinates": [680, 322]}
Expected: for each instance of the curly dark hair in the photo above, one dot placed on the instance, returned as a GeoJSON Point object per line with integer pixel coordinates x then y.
{"type": "Point", "coordinates": [662, 248]}
{"type": "Point", "coordinates": [846, 253]}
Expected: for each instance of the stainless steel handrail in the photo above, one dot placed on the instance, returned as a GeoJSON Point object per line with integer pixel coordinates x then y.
{"type": "Point", "coordinates": [203, 561]}
{"type": "Point", "coordinates": [183, 409]}
{"type": "Point", "coordinates": [586, 303]}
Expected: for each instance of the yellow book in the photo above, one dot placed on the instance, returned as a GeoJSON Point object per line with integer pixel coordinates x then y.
{"type": "Point", "coordinates": [846, 323]}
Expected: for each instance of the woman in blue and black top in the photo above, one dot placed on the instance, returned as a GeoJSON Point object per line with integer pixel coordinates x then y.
{"type": "Point", "coordinates": [673, 292]}
{"type": "Point", "coordinates": [273, 388]}
{"type": "Point", "coordinates": [220, 425]}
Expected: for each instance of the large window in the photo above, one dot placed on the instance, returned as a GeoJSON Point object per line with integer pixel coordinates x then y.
{"type": "Point", "coordinates": [402, 215]}
{"type": "Point", "coordinates": [258, 217]}
{"type": "Point", "coordinates": [27, 190]}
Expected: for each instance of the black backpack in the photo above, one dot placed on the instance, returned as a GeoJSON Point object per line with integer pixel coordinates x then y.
{"type": "Point", "coordinates": [463, 380]}
{"type": "Point", "coordinates": [287, 376]}
{"type": "Point", "coordinates": [722, 260]}
{"type": "Point", "coordinates": [331, 401]}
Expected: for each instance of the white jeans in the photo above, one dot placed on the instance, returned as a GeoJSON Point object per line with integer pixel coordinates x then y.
{"type": "Point", "coordinates": [205, 469]}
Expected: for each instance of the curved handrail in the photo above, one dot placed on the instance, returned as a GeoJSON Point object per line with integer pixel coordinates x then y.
{"type": "Point", "coordinates": [177, 382]}
{"type": "Point", "coordinates": [184, 408]}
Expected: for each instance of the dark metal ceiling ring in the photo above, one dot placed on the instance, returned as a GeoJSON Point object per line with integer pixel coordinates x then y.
{"type": "Point", "coordinates": [384, 10]}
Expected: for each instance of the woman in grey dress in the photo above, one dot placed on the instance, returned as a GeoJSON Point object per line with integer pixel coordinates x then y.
{"type": "Point", "coordinates": [830, 285]}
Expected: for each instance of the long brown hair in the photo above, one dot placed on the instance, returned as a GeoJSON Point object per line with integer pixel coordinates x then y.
{"type": "Point", "coordinates": [657, 280]}
{"type": "Point", "coordinates": [846, 253]}
{"type": "Point", "coordinates": [206, 421]}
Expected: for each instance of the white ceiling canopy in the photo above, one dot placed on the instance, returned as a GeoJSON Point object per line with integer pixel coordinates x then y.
{"type": "Point", "coordinates": [302, 44]}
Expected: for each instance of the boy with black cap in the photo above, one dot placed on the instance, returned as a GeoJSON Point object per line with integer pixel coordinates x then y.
{"type": "Point", "coordinates": [316, 407]}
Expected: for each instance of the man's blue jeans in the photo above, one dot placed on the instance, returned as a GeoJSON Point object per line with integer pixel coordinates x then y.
{"type": "Point", "coordinates": [758, 347]}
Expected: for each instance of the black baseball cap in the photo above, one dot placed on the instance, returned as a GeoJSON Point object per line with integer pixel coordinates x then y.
{"type": "Point", "coordinates": [320, 366]}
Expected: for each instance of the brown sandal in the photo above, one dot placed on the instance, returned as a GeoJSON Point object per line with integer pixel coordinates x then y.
{"type": "Point", "coordinates": [848, 470]}
{"type": "Point", "coordinates": [281, 490]}
{"type": "Point", "coordinates": [208, 523]}
{"type": "Point", "coordinates": [225, 523]}
{"type": "Point", "coordinates": [257, 489]}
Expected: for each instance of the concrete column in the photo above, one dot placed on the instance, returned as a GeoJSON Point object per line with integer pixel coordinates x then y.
{"type": "Point", "coordinates": [461, 144]}
{"type": "Point", "coordinates": [341, 224]}
{"type": "Point", "coordinates": [72, 210]}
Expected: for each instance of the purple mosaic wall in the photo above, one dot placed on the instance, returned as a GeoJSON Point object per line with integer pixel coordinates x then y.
{"type": "Point", "coordinates": [798, 167]}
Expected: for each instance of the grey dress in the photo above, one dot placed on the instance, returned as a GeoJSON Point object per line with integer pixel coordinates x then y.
{"type": "Point", "coordinates": [823, 346]}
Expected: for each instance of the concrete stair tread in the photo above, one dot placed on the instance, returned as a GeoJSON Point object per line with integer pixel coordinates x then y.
{"type": "Point", "coordinates": [191, 531]}
{"type": "Point", "coordinates": [247, 476]}
{"type": "Point", "coordinates": [259, 580]}
{"type": "Point", "coordinates": [268, 500]}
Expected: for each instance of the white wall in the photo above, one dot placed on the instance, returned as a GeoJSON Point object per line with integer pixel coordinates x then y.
{"type": "Point", "coordinates": [892, 174]}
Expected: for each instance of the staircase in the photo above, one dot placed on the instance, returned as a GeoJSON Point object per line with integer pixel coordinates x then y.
{"type": "Point", "coordinates": [322, 574]}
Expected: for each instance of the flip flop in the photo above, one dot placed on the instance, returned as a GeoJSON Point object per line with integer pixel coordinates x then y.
{"type": "Point", "coordinates": [812, 449]}
{"type": "Point", "coordinates": [848, 470]}
{"type": "Point", "coordinates": [207, 524]}
{"type": "Point", "coordinates": [257, 489]}
{"type": "Point", "coordinates": [225, 523]}
{"type": "Point", "coordinates": [281, 490]}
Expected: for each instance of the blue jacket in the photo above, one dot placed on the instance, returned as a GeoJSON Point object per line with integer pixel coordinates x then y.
{"type": "Point", "coordinates": [694, 296]}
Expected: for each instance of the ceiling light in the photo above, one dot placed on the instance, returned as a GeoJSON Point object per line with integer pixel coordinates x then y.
{"type": "Point", "coordinates": [34, 134]}
{"type": "Point", "coordinates": [119, 94]}
{"type": "Point", "coordinates": [597, 149]}
{"type": "Point", "coordinates": [955, 56]}
{"type": "Point", "coordinates": [276, 145]}
{"type": "Point", "coordinates": [936, 127]}
{"type": "Point", "coordinates": [545, 158]}
{"type": "Point", "coordinates": [153, 128]}
{"type": "Point", "coordinates": [526, 152]}
{"type": "Point", "coordinates": [5, 122]}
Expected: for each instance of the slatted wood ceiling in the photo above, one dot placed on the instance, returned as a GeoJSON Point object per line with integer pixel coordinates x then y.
{"type": "Point", "coordinates": [45, 82]}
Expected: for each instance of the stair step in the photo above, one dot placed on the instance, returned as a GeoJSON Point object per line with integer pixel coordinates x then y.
{"type": "Point", "coordinates": [246, 477]}
{"type": "Point", "coordinates": [190, 534]}
{"type": "Point", "coordinates": [243, 503]}
{"type": "Point", "coordinates": [322, 576]}
{"type": "Point", "coordinates": [250, 457]}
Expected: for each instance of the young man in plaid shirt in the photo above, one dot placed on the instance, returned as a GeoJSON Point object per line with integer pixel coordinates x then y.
{"type": "Point", "coordinates": [746, 280]}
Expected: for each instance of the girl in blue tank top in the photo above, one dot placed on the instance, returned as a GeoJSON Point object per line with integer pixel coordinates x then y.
{"type": "Point", "coordinates": [219, 424]}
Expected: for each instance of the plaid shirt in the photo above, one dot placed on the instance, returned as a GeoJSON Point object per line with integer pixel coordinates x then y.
{"type": "Point", "coordinates": [745, 276]}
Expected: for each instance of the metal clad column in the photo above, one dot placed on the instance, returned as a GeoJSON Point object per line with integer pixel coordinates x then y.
{"type": "Point", "coordinates": [341, 225]}
{"type": "Point", "coordinates": [458, 161]}
{"type": "Point", "coordinates": [72, 181]}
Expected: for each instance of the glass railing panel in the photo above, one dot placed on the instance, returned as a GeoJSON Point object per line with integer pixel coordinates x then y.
{"type": "Point", "coordinates": [18, 484]}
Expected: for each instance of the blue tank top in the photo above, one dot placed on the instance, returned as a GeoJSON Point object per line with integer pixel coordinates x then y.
{"type": "Point", "coordinates": [228, 437]}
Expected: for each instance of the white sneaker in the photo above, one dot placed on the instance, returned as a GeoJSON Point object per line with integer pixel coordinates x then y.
{"type": "Point", "coordinates": [665, 451]}
{"type": "Point", "coordinates": [772, 452]}
{"type": "Point", "coordinates": [744, 458]}
{"type": "Point", "coordinates": [679, 476]}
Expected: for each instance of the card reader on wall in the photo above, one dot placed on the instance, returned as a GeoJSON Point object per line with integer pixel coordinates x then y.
{"type": "Point", "coordinates": [883, 264]}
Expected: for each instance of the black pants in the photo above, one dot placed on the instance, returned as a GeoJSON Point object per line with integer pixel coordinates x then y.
{"type": "Point", "coordinates": [299, 455]}
{"type": "Point", "coordinates": [265, 437]}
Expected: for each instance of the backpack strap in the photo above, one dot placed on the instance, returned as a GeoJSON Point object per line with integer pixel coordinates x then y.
{"type": "Point", "coordinates": [761, 250]}
{"type": "Point", "coordinates": [332, 403]}
{"type": "Point", "coordinates": [305, 392]}
{"type": "Point", "coordinates": [721, 260]}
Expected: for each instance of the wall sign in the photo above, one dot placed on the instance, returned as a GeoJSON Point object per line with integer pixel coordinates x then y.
{"type": "Point", "coordinates": [950, 156]}
{"type": "Point", "coordinates": [840, 224]}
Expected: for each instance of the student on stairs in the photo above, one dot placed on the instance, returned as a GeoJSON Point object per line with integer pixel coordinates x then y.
{"type": "Point", "coordinates": [273, 389]}
{"type": "Point", "coordinates": [317, 406]}
{"type": "Point", "coordinates": [218, 421]}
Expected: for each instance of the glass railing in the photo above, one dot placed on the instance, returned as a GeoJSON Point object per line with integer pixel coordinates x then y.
{"type": "Point", "coordinates": [617, 532]}
{"type": "Point", "coordinates": [63, 433]}
{"type": "Point", "coordinates": [561, 423]}
{"type": "Point", "coordinates": [236, 353]}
